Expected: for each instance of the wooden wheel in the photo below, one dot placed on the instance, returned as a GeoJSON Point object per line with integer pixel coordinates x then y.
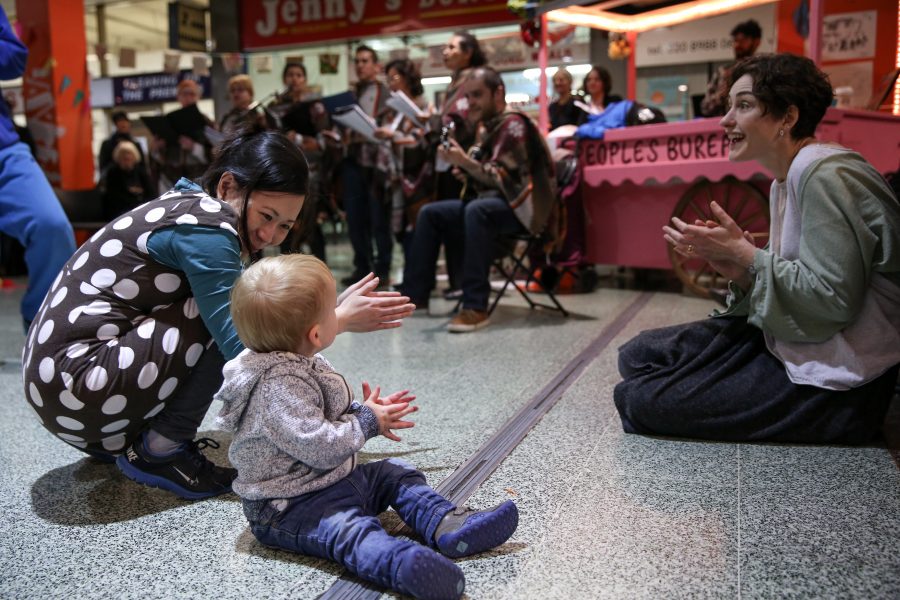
{"type": "Point", "coordinates": [746, 205]}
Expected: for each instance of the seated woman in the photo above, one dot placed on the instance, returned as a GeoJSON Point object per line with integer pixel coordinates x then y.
{"type": "Point", "coordinates": [127, 349]}
{"type": "Point", "coordinates": [125, 184]}
{"type": "Point", "coordinates": [809, 347]}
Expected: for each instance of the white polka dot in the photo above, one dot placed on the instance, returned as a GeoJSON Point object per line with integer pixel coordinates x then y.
{"type": "Point", "coordinates": [103, 278]}
{"type": "Point", "coordinates": [170, 340]}
{"type": "Point", "coordinates": [123, 223]}
{"type": "Point", "coordinates": [79, 262]}
{"type": "Point", "coordinates": [210, 205]}
{"type": "Point", "coordinates": [75, 313]}
{"type": "Point", "coordinates": [190, 308]}
{"type": "Point", "coordinates": [69, 437]}
{"type": "Point", "coordinates": [107, 331]}
{"type": "Point", "coordinates": [35, 395]}
{"type": "Point", "coordinates": [97, 235]}
{"type": "Point", "coordinates": [87, 289]}
{"type": "Point", "coordinates": [187, 219]}
{"type": "Point", "coordinates": [147, 376]}
{"type": "Point", "coordinates": [160, 307]}
{"type": "Point", "coordinates": [46, 369]}
{"type": "Point", "coordinates": [228, 227]}
{"type": "Point", "coordinates": [70, 423]}
{"type": "Point", "coordinates": [114, 405]}
{"type": "Point", "coordinates": [126, 289]}
{"type": "Point", "coordinates": [114, 426]}
{"type": "Point", "coordinates": [142, 241]}
{"type": "Point", "coordinates": [112, 343]}
{"type": "Point", "coordinates": [68, 399]}
{"type": "Point", "coordinates": [96, 379]}
{"type": "Point", "coordinates": [126, 357]}
{"type": "Point", "coordinates": [27, 361]}
{"type": "Point", "coordinates": [111, 248]}
{"type": "Point", "coordinates": [155, 214]}
{"type": "Point", "coordinates": [193, 354]}
{"type": "Point", "coordinates": [168, 386]}
{"type": "Point", "coordinates": [46, 330]}
{"type": "Point", "coordinates": [56, 281]}
{"type": "Point", "coordinates": [76, 350]}
{"type": "Point", "coordinates": [145, 329]}
{"type": "Point", "coordinates": [114, 443]}
{"type": "Point", "coordinates": [66, 379]}
{"type": "Point", "coordinates": [155, 411]}
{"type": "Point", "coordinates": [58, 297]}
{"type": "Point", "coordinates": [167, 282]}
{"type": "Point", "coordinates": [97, 307]}
{"type": "Point", "coordinates": [137, 268]}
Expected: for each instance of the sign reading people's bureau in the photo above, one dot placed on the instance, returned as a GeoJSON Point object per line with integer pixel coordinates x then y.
{"type": "Point", "coordinates": [648, 151]}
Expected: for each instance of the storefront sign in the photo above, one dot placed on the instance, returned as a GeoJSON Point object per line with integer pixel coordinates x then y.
{"type": "Point", "coordinates": [703, 40]}
{"type": "Point", "coordinates": [187, 27]}
{"type": "Point", "coordinates": [271, 23]}
{"type": "Point", "coordinates": [151, 88]}
{"type": "Point", "coordinates": [680, 148]}
{"type": "Point", "coordinates": [849, 36]}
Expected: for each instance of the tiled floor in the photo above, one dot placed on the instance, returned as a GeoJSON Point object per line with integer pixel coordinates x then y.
{"type": "Point", "coordinates": [603, 514]}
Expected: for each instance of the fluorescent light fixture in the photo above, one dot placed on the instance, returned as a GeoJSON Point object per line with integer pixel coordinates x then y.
{"type": "Point", "coordinates": [662, 17]}
{"type": "Point", "coordinates": [512, 97]}
{"type": "Point", "coordinates": [444, 80]}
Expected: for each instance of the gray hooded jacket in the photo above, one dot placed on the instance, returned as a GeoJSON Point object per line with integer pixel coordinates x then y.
{"type": "Point", "coordinates": [296, 429]}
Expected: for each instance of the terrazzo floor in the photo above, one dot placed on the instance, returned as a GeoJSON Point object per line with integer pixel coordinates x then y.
{"type": "Point", "coordinates": [602, 514]}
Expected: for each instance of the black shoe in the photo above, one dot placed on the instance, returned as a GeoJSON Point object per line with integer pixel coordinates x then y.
{"type": "Point", "coordinates": [463, 531]}
{"type": "Point", "coordinates": [185, 472]}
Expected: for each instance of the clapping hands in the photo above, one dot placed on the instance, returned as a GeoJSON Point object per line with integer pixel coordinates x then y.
{"type": "Point", "coordinates": [389, 410]}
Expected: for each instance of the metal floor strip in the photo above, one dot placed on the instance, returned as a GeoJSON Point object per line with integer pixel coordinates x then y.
{"type": "Point", "coordinates": [460, 484]}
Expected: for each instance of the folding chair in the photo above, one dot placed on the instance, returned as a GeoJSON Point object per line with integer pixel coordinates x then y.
{"type": "Point", "coordinates": [522, 263]}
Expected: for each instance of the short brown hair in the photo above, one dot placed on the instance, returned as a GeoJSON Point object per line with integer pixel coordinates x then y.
{"type": "Point", "coordinates": [277, 300]}
{"type": "Point", "coordinates": [784, 80]}
{"type": "Point", "coordinates": [242, 81]}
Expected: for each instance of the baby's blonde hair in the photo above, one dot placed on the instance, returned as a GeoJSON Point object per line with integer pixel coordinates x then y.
{"type": "Point", "coordinates": [277, 300]}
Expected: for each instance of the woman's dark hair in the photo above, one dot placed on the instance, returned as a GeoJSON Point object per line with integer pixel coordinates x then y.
{"type": "Point", "coordinates": [410, 72]}
{"type": "Point", "coordinates": [293, 65]}
{"type": "Point", "coordinates": [605, 79]}
{"type": "Point", "coordinates": [784, 80]}
{"type": "Point", "coordinates": [468, 42]}
{"type": "Point", "coordinates": [259, 160]}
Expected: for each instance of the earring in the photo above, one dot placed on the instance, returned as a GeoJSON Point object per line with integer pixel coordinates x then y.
{"type": "Point", "coordinates": [781, 133]}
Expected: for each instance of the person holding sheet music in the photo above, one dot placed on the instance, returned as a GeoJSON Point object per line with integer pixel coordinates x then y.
{"type": "Point", "coordinates": [187, 152]}
{"type": "Point", "coordinates": [368, 221]}
{"type": "Point", "coordinates": [304, 121]}
{"type": "Point", "coordinates": [406, 166]}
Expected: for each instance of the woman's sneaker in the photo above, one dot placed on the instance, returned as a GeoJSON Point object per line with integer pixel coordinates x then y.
{"type": "Point", "coordinates": [463, 531]}
{"type": "Point", "coordinates": [185, 472]}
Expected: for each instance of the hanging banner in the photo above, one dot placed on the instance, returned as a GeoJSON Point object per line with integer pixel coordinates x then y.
{"type": "Point", "coordinates": [150, 88]}
{"type": "Point", "coordinates": [272, 23]}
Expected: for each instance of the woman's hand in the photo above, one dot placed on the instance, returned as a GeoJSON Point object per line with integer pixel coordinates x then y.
{"type": "Point", "coordinates": [723, 244]}
{"type": "Point", "coordinates": [383, 133]}
{"type": "Point", "coordinates": [360, 308]}
{"type": "Point", "coordinates": [390, 415]}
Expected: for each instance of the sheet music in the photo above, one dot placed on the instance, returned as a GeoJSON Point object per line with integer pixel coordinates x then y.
{"type": "Point", "coordinates": [353, 117]}
{"type": "Point", "coordinates": [402, 103]}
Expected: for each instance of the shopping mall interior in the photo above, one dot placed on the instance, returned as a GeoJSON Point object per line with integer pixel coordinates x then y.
{"type": "Point", "coordinates": [521, 410]}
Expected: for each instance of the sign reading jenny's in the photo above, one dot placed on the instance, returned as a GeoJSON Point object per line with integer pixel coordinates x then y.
{"type": "Point", "coordinates": [272, 23]}
{"type": "Point", "coordinates": [675, 148]}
